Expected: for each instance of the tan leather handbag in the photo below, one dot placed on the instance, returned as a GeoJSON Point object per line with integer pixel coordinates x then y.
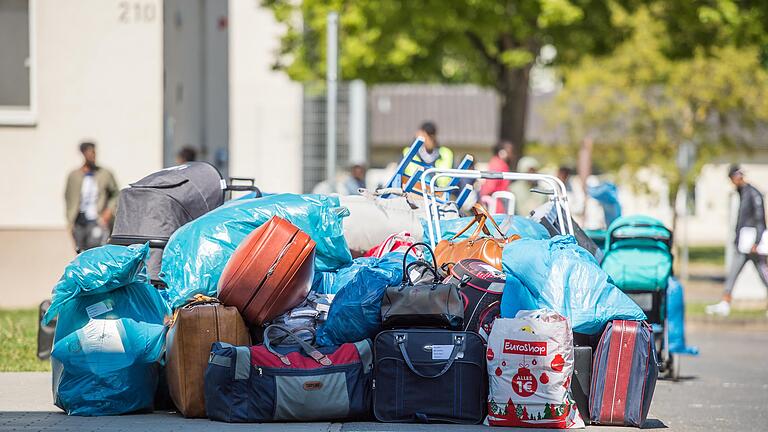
{"type": "Point", "coordinates": [487, 247]}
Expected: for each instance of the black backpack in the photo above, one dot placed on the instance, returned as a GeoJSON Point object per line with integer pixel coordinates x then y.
{"type": "Point", "coordinates": [481, 286]}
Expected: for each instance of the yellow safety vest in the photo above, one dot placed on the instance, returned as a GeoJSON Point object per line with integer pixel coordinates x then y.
{"type": "Point", "coordinates": [445, 161]}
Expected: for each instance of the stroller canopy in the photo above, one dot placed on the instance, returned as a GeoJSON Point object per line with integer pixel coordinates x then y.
{"type": "Point", "coordinates": [167, 199]}
{"type": "Point", "coordinates": [638, 253]}
{"type": "Point", "coordinates": [151, 209]}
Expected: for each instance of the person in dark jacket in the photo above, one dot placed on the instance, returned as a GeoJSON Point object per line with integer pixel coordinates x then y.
{"type": "Point", "coordinates": [751, 216]}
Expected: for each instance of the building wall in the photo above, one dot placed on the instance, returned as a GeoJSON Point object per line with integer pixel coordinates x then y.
{"type": "Point", "coordinates": [98, 67]}
{"type": "Point", "coordinates": [101, 82]}
{"type": "Point", "coordinates": [265, 106]}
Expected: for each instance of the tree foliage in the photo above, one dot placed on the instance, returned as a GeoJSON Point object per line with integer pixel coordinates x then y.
{"type": "Point", "coordinates": [489, 42]}
{"type": "Point", "coordinates": [640, 104]}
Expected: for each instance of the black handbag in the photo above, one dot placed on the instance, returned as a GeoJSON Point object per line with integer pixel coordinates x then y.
{"type": "Point", "coordinates": [427, 304]}
{"type": "Point", "coordinates": [428, 376]}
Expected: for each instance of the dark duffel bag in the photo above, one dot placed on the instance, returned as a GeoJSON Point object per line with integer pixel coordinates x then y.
{"type": "Point", "coordinates": [425, 304]}
{"type": "Point", "coordinates": [425, 376]}
{"type": "Point", "coordinates": [296, 382]}
{"type": "Point", "coordinates": [624, 374]}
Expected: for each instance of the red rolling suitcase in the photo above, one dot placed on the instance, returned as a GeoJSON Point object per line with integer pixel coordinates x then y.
{"type": "Point", "coordinates": [624, 374]}
{"type": "Point", "coordinates": [270, 272]}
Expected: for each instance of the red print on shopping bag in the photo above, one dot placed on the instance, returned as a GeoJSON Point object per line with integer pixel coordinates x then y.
{"type": "Point", "coordinates": [512, 346]}
{"type": "Point", "coordinates": [524, 383]}
{"type": "Point", "coordinates": [558, 363]}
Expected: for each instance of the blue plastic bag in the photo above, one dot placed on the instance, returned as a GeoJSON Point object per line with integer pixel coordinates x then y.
{"type": "Point", "coordinates": [561, 275]}
{"type": "Point", "coordinates": [323, 282]}
{"type": "Point", "coordinates": [108, 367]}
{"type": "Point", "coordinates": [509, 224]}
{"type": "Point", "coordinates": [197, 252]}
{"type": "Point", "coordinates": [109, 334]}
{"type": "Point", "coordinates": [355, 312]}
{"type": "Point", "coordinates": [97, 271]}
{"type": "Point", "coordinates": [676, 319]}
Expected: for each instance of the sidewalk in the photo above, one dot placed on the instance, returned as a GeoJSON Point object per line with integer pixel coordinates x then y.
{"type": "Point", "coordinates": [724, 389]}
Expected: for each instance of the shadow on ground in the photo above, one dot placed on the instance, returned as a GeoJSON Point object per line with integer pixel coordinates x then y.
{"type": "Point", "coordinates": [50, 421]}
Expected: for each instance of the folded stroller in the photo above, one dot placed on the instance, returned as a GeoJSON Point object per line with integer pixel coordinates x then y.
{"type": "Point", "coordinates": [151, 209]}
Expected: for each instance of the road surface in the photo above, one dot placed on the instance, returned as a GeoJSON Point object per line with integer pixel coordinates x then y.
{"type": "Point", "coordinates": [724, 389]}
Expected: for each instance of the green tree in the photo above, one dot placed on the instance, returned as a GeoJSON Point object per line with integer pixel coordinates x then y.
{"type": "Point", "coordinates": [489, 42]}
{"type": "Point", "coordinates": [640, 104]}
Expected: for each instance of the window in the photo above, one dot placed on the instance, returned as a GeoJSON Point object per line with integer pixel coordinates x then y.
{"type": "Point", "coordinates": [16, 68]}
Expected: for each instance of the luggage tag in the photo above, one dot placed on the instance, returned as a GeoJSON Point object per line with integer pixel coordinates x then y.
{"type": "Point", "coordinates": [443, 352]}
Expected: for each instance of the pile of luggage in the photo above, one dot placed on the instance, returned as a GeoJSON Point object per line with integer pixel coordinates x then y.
{"type": "Point", "coordinates": [258, 312]}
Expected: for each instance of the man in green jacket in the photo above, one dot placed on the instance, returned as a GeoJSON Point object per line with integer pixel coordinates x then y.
{"type": "Point", "coordinates": [90, 197]}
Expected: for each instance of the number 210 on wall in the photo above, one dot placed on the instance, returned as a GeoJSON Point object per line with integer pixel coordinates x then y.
{"type": "Point", "coordinates": [136, 12]}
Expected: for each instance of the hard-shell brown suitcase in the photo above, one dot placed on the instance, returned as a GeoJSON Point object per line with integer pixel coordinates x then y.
{"type": "Point", "coordinates": [196, 326]}
{"type": "Point", "coordinates": [270, 272]}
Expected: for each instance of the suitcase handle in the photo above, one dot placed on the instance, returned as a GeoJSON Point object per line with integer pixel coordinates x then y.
{"type": "Point", "coordinates": [307, 348]}
{"type": "Point", "coordinates": [458, 342]}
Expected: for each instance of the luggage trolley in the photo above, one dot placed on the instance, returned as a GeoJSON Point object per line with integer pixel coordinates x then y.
{"type": "Point", "coordinates": [638, 257]}
{"type": "Point", "coordinates": [431, 203]}
{"type": "Point", "coordinates": [406, 182]}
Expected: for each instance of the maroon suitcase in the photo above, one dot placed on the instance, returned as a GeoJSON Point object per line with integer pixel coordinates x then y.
{"type": "Point", "coordinates": [270, 272]}
{"type": "Point", "coordinates": [624, 374]}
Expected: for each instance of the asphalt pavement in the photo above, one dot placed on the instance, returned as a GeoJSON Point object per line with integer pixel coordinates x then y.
{"type": "Point", "coordinates": [725, 388]}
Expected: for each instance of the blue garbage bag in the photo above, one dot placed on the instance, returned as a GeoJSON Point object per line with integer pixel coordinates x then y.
{"type": "Point", "coordinates": [676, 319]}
{"type": "Point", "coordinates": [355, 312]}
{"type": "Point", "coordinates": [197, 252]}
{"type": "Point", "coordinates": [323, 282]}
{"type": "Point", "coordinates": [109, 334]}
{"type": "Point", "coordinates": [108, 367]}
{"type": "Point", "coordinates": [561, 275]}
{"type": "Point", "coordinates": [97, 271]}
{"type": "Point", "coordinates": [509, 224]}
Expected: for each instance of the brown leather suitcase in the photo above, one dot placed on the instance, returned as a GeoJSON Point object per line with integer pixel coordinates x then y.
{"type": "Point", "coordinates": [270, 272]}
{"type": "Point", "coordinates": [196, 326]}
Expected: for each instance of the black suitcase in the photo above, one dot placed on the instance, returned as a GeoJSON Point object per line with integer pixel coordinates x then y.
{"type": "Point", "coordinates": [582, 379]}
{"type": "Point", "coordinates": [429, 375]}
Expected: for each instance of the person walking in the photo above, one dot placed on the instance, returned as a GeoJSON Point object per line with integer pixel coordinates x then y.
{"type": "Point", "coordinates": [750, 222]}
{"type": "Point", "coordinates": [500, 162]}
{"type": "Point", "coordinates": [90, 198]}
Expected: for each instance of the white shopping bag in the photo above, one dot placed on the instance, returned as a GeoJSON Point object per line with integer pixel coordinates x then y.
{"type": "Point", "coordinates": [530, 363]}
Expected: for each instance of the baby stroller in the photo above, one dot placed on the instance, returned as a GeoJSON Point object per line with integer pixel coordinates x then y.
{"type": "Point", "coordinates": [638, 257]}
{"type": "Point", "coordinates": [151, 209]}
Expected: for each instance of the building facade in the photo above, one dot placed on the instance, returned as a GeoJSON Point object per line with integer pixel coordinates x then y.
{"type": "Point", "coordinates": [141, 79]}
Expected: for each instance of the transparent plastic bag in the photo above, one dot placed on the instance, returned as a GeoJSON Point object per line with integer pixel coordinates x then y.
{"type": "Point", "coordinates": [97, 271]}
{"type": "Point", "coordinates": [108, 367]}
{"type": "Point", "coordinates": [197, 252]}
{"type": "Point", "coordinates": [559, 274]}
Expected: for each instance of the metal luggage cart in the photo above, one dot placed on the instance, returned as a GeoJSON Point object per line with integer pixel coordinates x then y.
{"type": "Point", "coordinates": [431, 203]}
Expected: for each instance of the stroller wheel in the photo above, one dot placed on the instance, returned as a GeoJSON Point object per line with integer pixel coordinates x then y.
{"type": "Point", "coordinates": [673, 367]}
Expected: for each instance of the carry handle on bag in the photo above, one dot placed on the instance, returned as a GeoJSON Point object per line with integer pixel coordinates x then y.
{"type": "Point", "coordinates": [406, 267]}
{"type": "Point", "coordinates": [311, 351]}
{"type": "Point", "coordinates": [458, 347]}
{"type": "Point", "coordinates": [481, 216]}
{"type": "Point", "coordinates": [250, 187]}
{"type": "Point", "coordinates": [431, 205]}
